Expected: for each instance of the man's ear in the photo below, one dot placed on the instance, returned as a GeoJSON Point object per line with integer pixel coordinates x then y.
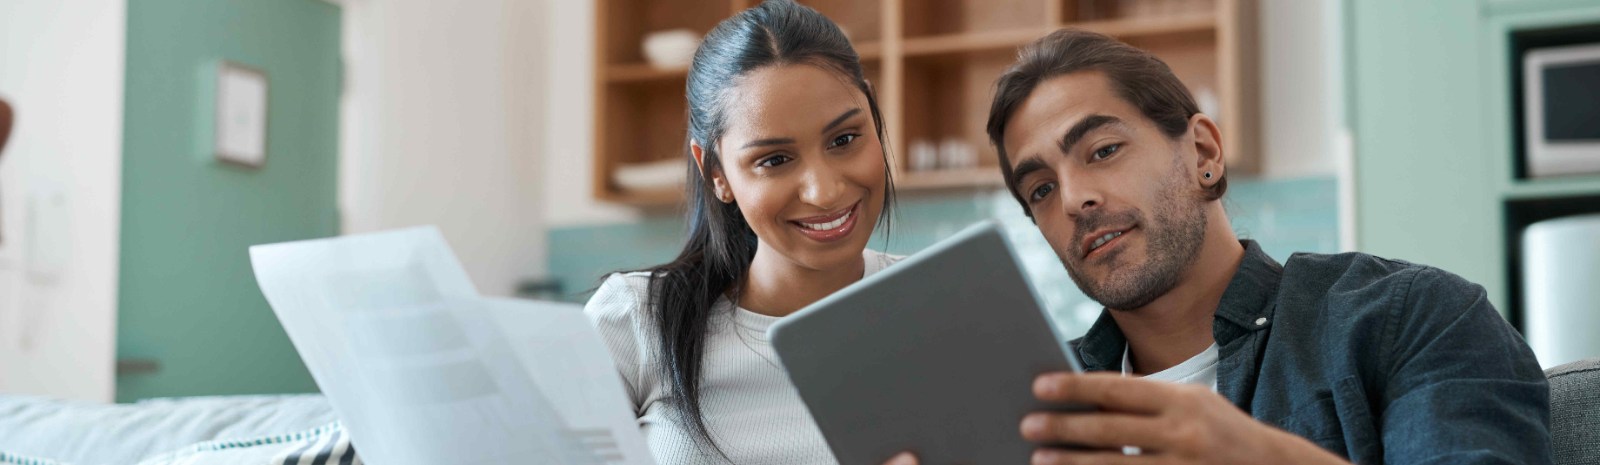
{"type": "Point", "coordinates": [719, 184]}
{"type": "Point", "coordinates": [1209, 164]}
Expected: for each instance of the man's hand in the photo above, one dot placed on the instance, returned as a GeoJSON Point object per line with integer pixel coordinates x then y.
{"type": "Point", "coordinates": [1169, 423]}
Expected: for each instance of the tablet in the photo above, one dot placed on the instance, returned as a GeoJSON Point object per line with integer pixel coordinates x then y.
{"type": "Point", "coordinates": [935, 355]}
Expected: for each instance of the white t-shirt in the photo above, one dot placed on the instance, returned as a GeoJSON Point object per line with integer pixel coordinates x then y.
{"type": "Point", "coordinates": [1200, 369]}
{"type": "Point", "coordinates": [751, 409]}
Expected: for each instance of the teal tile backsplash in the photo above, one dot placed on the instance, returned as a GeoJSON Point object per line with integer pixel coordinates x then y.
{"type": "Point", "coordinates": [1285, 216]}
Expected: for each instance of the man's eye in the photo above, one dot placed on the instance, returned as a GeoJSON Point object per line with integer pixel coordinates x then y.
{"type": "Point", "coordinates": [843, 140]}
{"type": "Point", "coordinates": [773, 161]}
{"type": "Point", "coordinates": [1105, 152]}
{"type": "Point", "coordinates": [1040, 192]}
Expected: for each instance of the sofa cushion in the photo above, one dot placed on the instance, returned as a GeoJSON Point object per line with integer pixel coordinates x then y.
{"type": "Point", "coordinates": [1575, 411]}
{"type": "Point", "coordinates": [86, 433]}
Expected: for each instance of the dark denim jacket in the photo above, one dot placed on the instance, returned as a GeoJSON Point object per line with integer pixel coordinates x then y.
{"type": "Point", "coordinates": [1379, 361]}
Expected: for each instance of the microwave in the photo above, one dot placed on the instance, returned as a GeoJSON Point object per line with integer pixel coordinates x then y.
{"type": "Point", "coordinates": [1561, 100]}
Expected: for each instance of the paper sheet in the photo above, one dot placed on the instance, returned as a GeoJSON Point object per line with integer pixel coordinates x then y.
{"type": "Point", "coordinates": [423, 370]}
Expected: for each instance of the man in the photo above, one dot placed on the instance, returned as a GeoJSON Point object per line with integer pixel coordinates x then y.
{"type": "Point", "coordinates": [1326, 359]}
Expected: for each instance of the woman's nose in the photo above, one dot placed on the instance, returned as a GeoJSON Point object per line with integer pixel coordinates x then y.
{"type": "Point", "coordinates": [824, 186]}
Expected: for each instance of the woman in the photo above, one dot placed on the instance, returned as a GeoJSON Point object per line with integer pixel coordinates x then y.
{"type": "Point", "coordinates": [789, 176]}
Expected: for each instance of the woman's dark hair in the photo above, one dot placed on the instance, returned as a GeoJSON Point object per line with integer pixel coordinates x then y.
{"type": "Point", "coordinates": [721, 245]}
{"type": "Point", "coordinates": [1137, 76]}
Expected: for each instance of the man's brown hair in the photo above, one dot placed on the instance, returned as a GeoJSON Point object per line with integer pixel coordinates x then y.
{"type": "Point", "coordinates": [1135, 75]}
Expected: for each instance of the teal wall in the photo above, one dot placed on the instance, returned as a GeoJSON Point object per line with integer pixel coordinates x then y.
{"type": "Point", "coordinates": [1430, 112]}
{"type": "Point", "coordinates": [187, 298]}
{"type": "Point", "coordinates": [1285, 216]}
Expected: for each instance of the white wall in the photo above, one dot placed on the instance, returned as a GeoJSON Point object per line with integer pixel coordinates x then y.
{"type": "Point", "coordinates": [569, 116]}
{"type": "Point", "coordinates": [440, 125]}
{"type": "Point", "coordinates": [61, 67]}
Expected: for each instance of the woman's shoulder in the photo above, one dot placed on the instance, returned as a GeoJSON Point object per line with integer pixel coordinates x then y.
{"type": "Point", "coordinates": [619, 312]}
{"type": "Point", "coordinates": [877, 261]}
{"type": "Point", "coordinates": [620, 297]}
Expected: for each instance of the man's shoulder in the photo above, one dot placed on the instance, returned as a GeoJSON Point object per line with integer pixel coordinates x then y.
{"type": "Point", "coordinates": [1351, 284]}
{"type": "Point", "coordinates": [1348, 268]}
{"type": "Point", "coordinates": [1360, 273]}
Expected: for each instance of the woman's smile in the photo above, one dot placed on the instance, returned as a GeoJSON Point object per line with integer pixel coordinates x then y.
{"type": "Point", "coordinates": [830, 227]}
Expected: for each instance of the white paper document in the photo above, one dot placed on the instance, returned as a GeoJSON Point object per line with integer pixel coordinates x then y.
{"type": "Point", "coordinates": [423, 370]}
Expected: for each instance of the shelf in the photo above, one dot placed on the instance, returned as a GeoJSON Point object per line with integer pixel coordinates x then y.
{"type": "Point", "coordinates": [644, 72]}
{"type": "Point", "coordinates": [1553, 187]}
{"type": "Point", "coordinates": [971, 41]}
{"type": "Point", "coordinates": [982, 176]}
{"type": "Point", "coordinates": [639, 72]}
{"type": "Point", "coordinates": [996, 40]}
{"type": "Point", "coordinates": [658, 198]}
{"type": "Point", "coordinates": [938, 18]}
{"type": "Point", "coordinates": [869, 51]}
{"type": "Point", "coordinates": [1126, 28]}
{"type": "Point", "coordinates": [933, 65]}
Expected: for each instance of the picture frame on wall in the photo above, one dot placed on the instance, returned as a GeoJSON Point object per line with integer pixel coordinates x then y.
{"type": "Point", "coordinates": [1561, 110]}
{"type": "Point", "coordinates": [240, 116]}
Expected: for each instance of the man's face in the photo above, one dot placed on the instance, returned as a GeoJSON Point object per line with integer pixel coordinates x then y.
{"type": "Point", "coordinates": [1116, 198]}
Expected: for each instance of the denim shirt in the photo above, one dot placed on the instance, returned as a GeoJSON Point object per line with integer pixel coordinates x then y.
{"type": "Point", "coordinates": [1376, 360]}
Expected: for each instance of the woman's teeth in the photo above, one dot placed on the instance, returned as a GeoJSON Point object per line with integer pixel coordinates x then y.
{"type": "Point", "coordinates": [829, 225]}
{"type": "Point", "coordinates": [1102, 240]}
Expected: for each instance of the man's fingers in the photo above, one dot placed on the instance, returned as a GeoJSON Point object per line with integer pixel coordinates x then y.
{"type": "Point", "coordinates": [903, 458]}
{"type": "Point", "coordinates": [1108, 391]}
{"type": "Point", "coordinates": [1077, 457]}
{"type": "Point", "coordinates": [1095, 430]}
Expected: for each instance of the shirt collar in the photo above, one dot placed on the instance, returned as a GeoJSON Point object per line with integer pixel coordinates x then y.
{"type": "Point", "coordinates": [1246, 306]}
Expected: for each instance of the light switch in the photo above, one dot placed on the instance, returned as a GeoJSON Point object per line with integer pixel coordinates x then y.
{"type": "Point", "coordinates": [241, 115]}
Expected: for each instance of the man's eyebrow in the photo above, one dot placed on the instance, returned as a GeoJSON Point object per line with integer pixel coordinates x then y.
{"type": "Point", "coordinates": [1083, 128]}
{"type": "Point", "coordinates": [840, 120]}
{"type": "Point", "coordinates": [1025, 167]}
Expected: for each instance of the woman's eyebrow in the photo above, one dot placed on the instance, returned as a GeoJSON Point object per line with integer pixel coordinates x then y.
{"type": "Point", "coordinates": [786, 140]}
{"type": "Point", "coordinates": [840, 119]}
{"type": "Point", "coordinates": [768, 141]}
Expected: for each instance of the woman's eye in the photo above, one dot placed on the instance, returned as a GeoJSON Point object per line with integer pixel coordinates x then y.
{"type": "Point", "coordinates": [1040, 192]}
{"type": "Point", "coordinates": [1105, 152]}
{"type": "Point", "coordinates": [773, 161]}
{"type": "Point", "coordinates": [843, 140]}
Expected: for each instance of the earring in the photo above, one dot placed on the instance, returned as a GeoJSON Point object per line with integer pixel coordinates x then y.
{"type": "Point", "coordinates": [1208, 175]}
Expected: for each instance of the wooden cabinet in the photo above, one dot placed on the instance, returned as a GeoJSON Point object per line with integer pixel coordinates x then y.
{"type": "Point", "coordinates": [933, 64]}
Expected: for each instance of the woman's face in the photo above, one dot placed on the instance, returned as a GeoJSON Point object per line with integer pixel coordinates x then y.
{"type": "Point", "coordinates": [802, 160]}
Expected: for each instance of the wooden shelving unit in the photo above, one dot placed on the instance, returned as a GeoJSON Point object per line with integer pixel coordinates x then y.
{"type": "Point", "coordinates": [933, 64]}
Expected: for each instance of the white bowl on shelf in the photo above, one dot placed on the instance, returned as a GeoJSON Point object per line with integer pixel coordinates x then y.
{"type": "Point", "coordinates": [672, 48]}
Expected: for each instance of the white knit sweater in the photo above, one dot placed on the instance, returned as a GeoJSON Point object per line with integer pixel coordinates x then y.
{"type": "Point", "coordinates": [753, 412]}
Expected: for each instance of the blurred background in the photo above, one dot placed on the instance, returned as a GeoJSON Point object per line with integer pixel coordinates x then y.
{"type": "Point", "coordinates": [155, 140]}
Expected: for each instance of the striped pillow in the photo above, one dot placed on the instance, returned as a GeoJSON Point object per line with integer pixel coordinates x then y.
{"type": "Point", "coordinates": [326, 445]}
{"type": "Point", "coordinates": [7, 458]}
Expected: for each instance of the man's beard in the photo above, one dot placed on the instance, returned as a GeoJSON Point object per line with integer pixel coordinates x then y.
{"type": "Point", "coordinates": [1174, 241]}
